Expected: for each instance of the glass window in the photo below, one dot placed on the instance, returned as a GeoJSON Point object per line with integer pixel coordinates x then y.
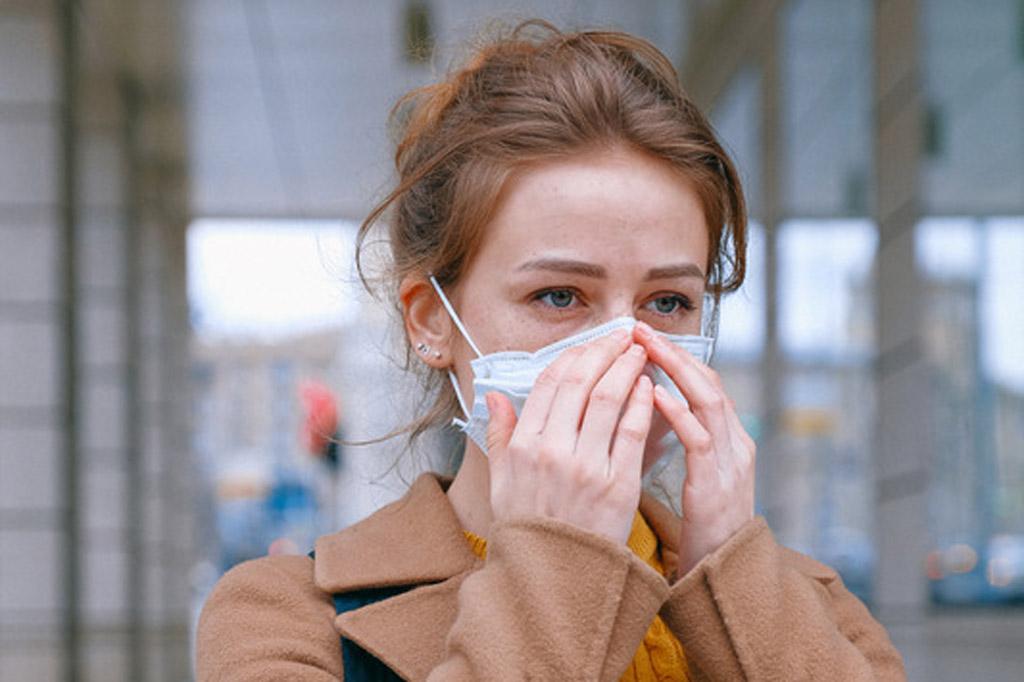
{"type": "Point", "coordinates": [973, 322]}
{"type": "Point", "coordinates": [974, 83]}
{"type": "Point", "coordinates": [826, 100]}
{"type": "Point", "coordinates": [741, 328]}
{"type": "Point", "coordinates": [822, 497]}
{"type": "Point", "coordinates": [826, 311]}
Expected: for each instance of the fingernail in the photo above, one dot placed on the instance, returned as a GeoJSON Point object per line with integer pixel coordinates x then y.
{"type": "Point", "coordinates": [637, 351]}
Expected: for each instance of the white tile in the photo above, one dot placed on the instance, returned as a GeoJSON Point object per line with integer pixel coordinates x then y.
{"type": "Point", "coordinates": [102, 412]}
{"type": "Point", "coordinates": [29, 564]}
{"type": "Point", "coordinates": [100, 251]}
{"type": "Point", "coordinates": [28, 173]}
{"type": "Point", "coordinates": [29, 469]}
{"type": "Point", "coordinates": [28, 364]}
{"type": "Point", "coordinates": [28, 262]}
{"type": "Point", "coordinates": [101, 180]}
{"type": "Point", "coordinates": [104, 585]}
{"type": "Point", "coordinates": [103, 502]}
{"type": "Point", "coordinates": [18, 662]}
{"type": "Point", "coordinates": [102, 333]}
{"type": "Point", "coordinates": [27, 52]}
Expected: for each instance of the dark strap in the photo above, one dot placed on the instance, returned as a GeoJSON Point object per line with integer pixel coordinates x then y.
{"type": "Point", "coordinates": [360, 664]}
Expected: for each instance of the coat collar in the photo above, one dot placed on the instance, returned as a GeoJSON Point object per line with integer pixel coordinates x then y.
{"type": "Point", "coordinates": [415, 541]}
{"type": "Point", "coordinates": [418, 541]}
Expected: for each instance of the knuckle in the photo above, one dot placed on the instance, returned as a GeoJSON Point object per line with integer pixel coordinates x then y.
{"type": "Point", "coordinates": [717, 404]}
{"type": "Point", "coordinates": [604, 396]}
{"type": "Point", "coordinates": [575, 377]}
{"type": "Point", "coordinates": [632, 433]}
{"type": "Point", "coordinates": [548, 378]}
{"type": "Point", "coordinates": [749, 445]}
{"type": "Point", "coordinates": [546, 457]}
{"type": "Point", "coordinates": [702, 442]}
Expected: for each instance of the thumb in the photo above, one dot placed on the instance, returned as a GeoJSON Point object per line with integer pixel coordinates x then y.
{"type": "Point", "coordinates": [502, 422]}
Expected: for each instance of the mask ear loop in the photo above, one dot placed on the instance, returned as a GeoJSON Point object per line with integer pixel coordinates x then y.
{"type": "Point", "coordinates": [709, 321]}
{"type": "Point", "coordinates": [454, 316]}
{"type": "Point", "coordinates": [465, 334]}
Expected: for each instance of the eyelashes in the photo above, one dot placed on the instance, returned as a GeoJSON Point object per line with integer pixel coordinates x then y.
{"type": "Point", "coordinates": [557, 298]}
{"type": "Point", "coordinates": [669, 304]}
{"type": "Point", "coordinates": [567, 298]}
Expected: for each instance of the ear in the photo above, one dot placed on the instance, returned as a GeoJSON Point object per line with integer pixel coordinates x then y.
{"type": "Point", "coordinates": [427, 324]}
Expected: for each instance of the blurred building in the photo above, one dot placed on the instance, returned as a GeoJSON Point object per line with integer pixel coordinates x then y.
{"type": "Point", "coordinates": [261, 484]}
{"type": "Point", "coordinates": [874, 352]}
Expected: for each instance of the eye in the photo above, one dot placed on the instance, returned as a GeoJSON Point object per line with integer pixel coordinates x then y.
{"type": "Point", "coordinates": [557, 298]}
{"type": "Point", "coordinates": [669, 304]}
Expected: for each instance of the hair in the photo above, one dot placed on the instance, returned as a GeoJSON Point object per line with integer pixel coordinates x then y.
{"type": "Point", "coordinates": [531, 94]}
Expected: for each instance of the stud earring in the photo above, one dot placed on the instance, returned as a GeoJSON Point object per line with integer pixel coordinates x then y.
{"type": "Point", "coordinates": [437, 354]}
{"type": "Point", "coordinates": [422, 347]}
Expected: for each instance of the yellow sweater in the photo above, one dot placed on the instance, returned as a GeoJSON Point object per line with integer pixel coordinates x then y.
{"type": "Point", "coordinates": [660, 657]}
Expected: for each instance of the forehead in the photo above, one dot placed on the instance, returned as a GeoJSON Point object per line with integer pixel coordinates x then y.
{"type": "Point", "coordinates": [610, 205]}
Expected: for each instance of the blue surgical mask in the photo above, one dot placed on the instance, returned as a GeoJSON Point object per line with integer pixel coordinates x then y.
{"type": "Point", "coordinates": [513, 373]}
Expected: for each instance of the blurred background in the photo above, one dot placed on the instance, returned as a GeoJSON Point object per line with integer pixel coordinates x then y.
{"type": "Point", "coordinates": [180, 182]}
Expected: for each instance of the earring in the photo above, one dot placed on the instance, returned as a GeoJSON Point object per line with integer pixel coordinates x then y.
{"type": "Point", "coordinates": [437, 354]}
{"type": "Point", "coordinates": [422, 347]}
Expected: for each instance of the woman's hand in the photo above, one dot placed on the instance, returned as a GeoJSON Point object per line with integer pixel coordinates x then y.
{"type": "Point", "coordinates": [718, 493]}
{"type": "Point", "coordinates": [576, 451]}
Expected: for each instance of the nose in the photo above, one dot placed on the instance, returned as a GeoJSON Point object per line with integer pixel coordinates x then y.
{"type": "Point", "coordinates": [620, 306]}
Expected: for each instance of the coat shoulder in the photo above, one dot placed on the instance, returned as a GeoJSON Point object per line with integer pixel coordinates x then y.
{"type": "Point", "coordinates": [809, 567]}
{"type": "Point", "coordinates": [265, 619]}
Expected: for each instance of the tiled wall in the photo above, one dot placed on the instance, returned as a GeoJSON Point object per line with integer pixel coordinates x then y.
{"type": "Point", "coordinates": [130, 346]}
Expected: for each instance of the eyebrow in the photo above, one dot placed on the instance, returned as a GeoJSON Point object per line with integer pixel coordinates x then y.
{"type": "Point", "coordinates": [578, 267]}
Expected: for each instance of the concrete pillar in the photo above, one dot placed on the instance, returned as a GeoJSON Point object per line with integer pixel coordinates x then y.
{"type": "Point", "coordinates": [94, 553]}
{"type": "Point", "coordinates": [772, 479]}
{"type": "Point", "coordinates": [902, 450]}
{"type": "Point", "coordinates": [32, 405]}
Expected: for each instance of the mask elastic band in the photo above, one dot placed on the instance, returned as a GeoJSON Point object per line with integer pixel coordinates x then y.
{"type": "Point", "coordinates": [456, 320]}
{"type": "Point", "coordinates": [458, 395]}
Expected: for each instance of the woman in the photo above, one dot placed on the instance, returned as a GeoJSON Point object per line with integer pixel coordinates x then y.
{"type": "Point", "coordinates": [562, 213]}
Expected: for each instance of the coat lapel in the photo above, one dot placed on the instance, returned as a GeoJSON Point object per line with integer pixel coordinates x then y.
{"type": "Point", "coordinates": [416, 541]}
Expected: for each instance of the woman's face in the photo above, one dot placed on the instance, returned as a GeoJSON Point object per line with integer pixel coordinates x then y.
{"type": "Point", "coordinates": [579, 241]}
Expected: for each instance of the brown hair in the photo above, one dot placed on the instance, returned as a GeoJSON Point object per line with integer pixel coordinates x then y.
{"type": "Point", "coordinates": [532, 94]}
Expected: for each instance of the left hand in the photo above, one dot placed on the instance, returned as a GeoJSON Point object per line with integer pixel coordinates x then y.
{"type": "Point", "coordinates": [718, 493]}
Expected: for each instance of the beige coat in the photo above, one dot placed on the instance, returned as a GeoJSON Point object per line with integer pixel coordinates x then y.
{"type": "Point", "coordinates": [551, 602]}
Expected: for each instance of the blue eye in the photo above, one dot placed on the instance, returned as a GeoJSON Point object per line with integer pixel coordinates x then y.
{"type": "Point", "coordinates": [558, 298]}
{"type": "Point", "coordinates": [666, 305]}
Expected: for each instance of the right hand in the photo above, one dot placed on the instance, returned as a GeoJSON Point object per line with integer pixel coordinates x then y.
{"type": "Point", "coordinates": [576, 451]}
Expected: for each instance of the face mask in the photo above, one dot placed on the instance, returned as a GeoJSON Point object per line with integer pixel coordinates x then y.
{"type": "Point", "coordinates": [513, 373]}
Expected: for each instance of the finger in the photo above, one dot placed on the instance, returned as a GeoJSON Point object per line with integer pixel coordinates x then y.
{"type": "Point", "coordinates": [500, 425]}
{"type": "Point", "coordinates": [698, 383]}
{"type": "Point", "coordinates": [747, 446]}
{"type": "Point", "coordinates": [577, 383]}
{"type": "Point", "coordinates": [627, 453]}
{"type": "Point", "coordinates": [681, 367]}
{"type": "Point", "coordinates": [701, 462]}
{"type": "Point", "coordinates": [606, 403]}
{"type": "Point", "coordinates": [538, 404]}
